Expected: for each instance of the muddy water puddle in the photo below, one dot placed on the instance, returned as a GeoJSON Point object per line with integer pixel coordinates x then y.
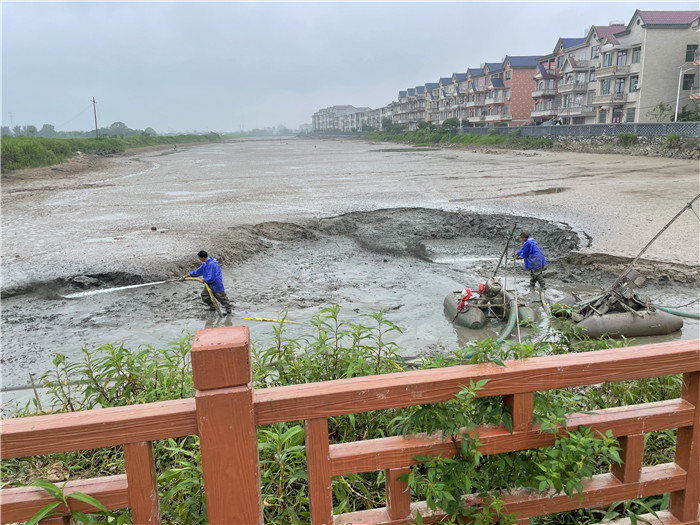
{"type": "Point", "coordinates": [403, 261]}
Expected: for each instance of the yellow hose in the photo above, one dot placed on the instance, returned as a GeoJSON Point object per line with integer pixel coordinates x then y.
{"type": "Point", "coordinates": [211, 294]}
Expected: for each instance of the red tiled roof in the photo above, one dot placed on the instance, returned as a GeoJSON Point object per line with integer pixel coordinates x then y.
{"type": "Point", "coordinates": [668, 17]}
{"type": "Point", "coordinates": [609, 32]}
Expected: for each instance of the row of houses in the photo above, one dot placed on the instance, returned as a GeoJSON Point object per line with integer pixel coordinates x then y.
{"type": "Point", "coordinates": [614, 74]}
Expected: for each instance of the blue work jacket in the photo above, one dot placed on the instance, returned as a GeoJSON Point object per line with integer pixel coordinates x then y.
{"type": "Point", "coordinates": [211, 273]}
{"type": "Point", "coordinates": [532, 255]}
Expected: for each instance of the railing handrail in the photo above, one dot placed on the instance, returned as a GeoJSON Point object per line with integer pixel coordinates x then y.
{"type": "Point", "coordinates": [221, 365]}
{"type": "Point", "coordinates": [148, 422]}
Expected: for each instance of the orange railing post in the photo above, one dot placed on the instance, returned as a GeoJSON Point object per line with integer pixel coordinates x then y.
{"type": "Point", "coordinates": [684, 503]}
{"type": "Point", "coordinates": [226, 425]}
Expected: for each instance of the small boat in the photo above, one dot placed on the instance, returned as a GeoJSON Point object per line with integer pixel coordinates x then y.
{"type": "Point", "coordinates": [620, 312]}
{"type": "Point", "coordinates": [492, 301]}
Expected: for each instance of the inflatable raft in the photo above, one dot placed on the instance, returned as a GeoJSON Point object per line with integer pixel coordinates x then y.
{"type": "Point", "coordinates": [493, 301]}
{"type": "Point", "coordinates": [620, 312]}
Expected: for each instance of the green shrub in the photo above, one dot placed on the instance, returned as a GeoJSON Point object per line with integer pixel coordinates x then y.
{"type": "Point", "coordinates": [672, 140]}
{"type": "Point", "coordinates": [114, 376]}
{"type": "Point", "coordinates": [627, 139]}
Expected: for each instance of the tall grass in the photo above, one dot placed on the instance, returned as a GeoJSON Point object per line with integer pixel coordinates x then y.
{"type": "Point", "coordinates": [33, 152]}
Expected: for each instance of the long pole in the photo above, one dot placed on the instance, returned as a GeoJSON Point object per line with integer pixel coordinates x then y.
{"type": "Point", "coordinates": [504, 250]}
{"type": "Point", "coordinates": [686, 207]}
{"type": "Point", "coordinates": [678, 93]}
{"type": "Point", "coordinates": [94, 108]}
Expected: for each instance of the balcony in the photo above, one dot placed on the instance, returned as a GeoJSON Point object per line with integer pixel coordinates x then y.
{"type": "Point", "coordinates": [548, 73]}
{"type": "Point", "coordinates": [494, 100]}
{"type": "Point", "coordinates": [474, 103]}
{"type": "Point", "coordinates": [551, 112]}
{"type": "Point", "coordinates": [547, 92]}
{"type": "Point", "coordinates": [498, 117]}
{"type": "Point", "coordinates": [611, 71]}
{"type": "Point", "coordinates": [575, 111]}
{"type": "Point", "coordinates": [573, 87]}
{"type": "Point", "coordinates": [610, 98]}
{"type": "Point", "coordinates": [695, 93]}
{"type": "Point", "coordinates": [581, 64]}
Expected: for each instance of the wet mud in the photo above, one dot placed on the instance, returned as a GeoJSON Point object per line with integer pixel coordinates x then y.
{"type": "Point", "coordinates": [366, 242]}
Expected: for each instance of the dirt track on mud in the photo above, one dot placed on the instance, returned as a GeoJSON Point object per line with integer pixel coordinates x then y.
{"type": "Point", "coordinates": [298, 224]}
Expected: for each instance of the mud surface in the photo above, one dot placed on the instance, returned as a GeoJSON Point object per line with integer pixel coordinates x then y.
{"type": "Point", "coordinates": [299, 224]}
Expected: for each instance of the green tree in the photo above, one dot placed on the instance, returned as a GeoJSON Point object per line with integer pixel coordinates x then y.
{"type": "Point", "coordinates": [450, 124]}
{"type": "Point", "coordinates": [47, 131]}
{"type": "Point", "coordinates": [660, 112]}
{"type": "Point", "coordinates": [387, 125]}
{"type": "Point", "coordinates": [689, 115]}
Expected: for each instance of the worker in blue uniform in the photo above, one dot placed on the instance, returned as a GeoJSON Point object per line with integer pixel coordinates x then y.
{"type": "Point", "coordinates": [209, 272]}
{"type": "Point", "coordinates": [534, 259]}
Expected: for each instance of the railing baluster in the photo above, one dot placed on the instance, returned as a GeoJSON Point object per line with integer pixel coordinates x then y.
{"type": "Point", "coordinates": [319, 471]}
{"type": "Point", "coordinates": [521, 409]}
{"type": "Point", "coordinates": [684, 504]}
{"type": "Point", "coordinates": [226, 423]}
{"type": "Point", "coordinates": [143, 483]}
{"type": "Point", "coordinates": [632, 455]}
{"type": "Point", "coordinates": [398, 498]}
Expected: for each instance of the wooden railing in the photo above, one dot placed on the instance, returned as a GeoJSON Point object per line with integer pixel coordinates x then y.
{"type": "Point", "coordinates": [226, 411]}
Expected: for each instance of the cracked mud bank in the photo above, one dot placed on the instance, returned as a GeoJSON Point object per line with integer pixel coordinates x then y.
{"type": "Point", "coordinates": [301, 224]}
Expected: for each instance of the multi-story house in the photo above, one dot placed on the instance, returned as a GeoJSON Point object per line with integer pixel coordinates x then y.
{"type": "Point", "coordinates": [329, 119]}
{"type": "Point", "coordinates": [548, 75]}
{"type": "Point", "coordinates": [517, 89]}
{"type": "Point", "coordinates": [576, 85]}
{"type": "Point", "coordinates": [432, 94]}
{"type": "Point", "coordinates": [476, 89]}
{"type": "Point", "coordinates": [459, 104]}
{"type": "Point", "coordinates": [647, 63]}
{"type": "Point", "coordinates": [495, 94]}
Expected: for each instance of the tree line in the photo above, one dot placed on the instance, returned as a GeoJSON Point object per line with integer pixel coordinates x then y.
{"type": "Point", "coordinates": [48, 131]}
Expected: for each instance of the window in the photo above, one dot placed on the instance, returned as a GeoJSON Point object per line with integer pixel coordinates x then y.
{"type": "Point", "coordinates": [605, 87]}
{"type": "Point", "coordinates": [508, 94]}
{"type": "Point", "coordinates": [622, 58]}
{"type": "Point", "coordinates": [634, 83]}
{"type": "Point", "coordinates": [602, 114]}
{"type": "Point", "coordinates": [690, 51]}
{"type": "Point", "coordinates": [594, 52]}
{"type": "Point", "coordinates": [508, 75]}
{"type": "Point", "coordinates": [636, 55]}
{"type": "Point", "coordinates": [619, 85]}
{"type": "Point", "coordinates": [688, 80]}
{"type": "Point", "coordinates": [560, 61]}
{"type": "Point", "coordinates": [607, 59]}
{"type": "Point", "coordinates": [630, 115]}
{"type": "Point", "coordinates": [591, 76]}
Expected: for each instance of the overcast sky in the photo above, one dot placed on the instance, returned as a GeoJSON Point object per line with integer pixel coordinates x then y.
{"type": "Point", "coordinates": [228, 66]}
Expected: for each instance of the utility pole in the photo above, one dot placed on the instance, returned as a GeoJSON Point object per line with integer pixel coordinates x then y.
{"type": "Point", "coordinates": [94, 108]}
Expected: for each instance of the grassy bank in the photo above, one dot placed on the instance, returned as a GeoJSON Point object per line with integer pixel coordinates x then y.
{"type": "Point", "coordinates": [428, 136]}
{"type": "Point", "coordinates": [33, 152]}
{"type": "Point", "coordinates": [115, 376]}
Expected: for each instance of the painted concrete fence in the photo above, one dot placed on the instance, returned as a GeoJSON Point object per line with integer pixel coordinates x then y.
{"type": "Point", "coordinates": [227, 410]}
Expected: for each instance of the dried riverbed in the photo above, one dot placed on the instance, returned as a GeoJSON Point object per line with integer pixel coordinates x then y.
{"type": "Point", "coordinates": [299, 224]}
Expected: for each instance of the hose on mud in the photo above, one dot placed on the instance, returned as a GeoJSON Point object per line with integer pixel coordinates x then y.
{"type": "Point", "coordinates": [211, 294]}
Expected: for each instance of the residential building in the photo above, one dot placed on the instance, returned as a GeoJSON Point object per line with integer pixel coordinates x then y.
{"type": "Point", "coordinates": [476, 93]}
{"type": "Point", "coordinates": [329, 119]}
{"type": "Point", "coordinates": [517, 89]}
{"type": "Point", "coordinates": [649, 62]}
{"type": "Point", "coordinates": [548, 76]}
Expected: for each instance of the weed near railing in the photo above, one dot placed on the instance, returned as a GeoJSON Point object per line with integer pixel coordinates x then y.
{"type": "Point", "coordinates": [337, 349]}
